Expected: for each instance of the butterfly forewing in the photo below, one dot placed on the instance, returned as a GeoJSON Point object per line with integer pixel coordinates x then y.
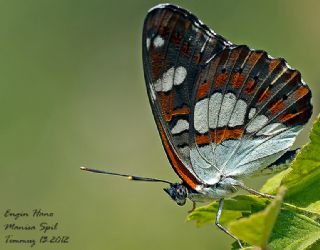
{"type": "Point", "coordinates": [175, 46]}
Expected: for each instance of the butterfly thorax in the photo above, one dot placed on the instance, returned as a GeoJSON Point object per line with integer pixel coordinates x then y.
{"type": "Point", "coordinates": [226, 187]}
{"type": "Point", "coordinates": [203, 193]}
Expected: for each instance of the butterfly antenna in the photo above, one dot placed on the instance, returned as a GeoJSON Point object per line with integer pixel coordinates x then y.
{"type": "Point", "coordinates": [130, 177]}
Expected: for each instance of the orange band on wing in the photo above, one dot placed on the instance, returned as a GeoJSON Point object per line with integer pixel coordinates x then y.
{"type": "Point", "coordinates": [273, 64]}
{"type": "Point", "coordinates": [177, 165]}
{"type": "Point", "coordinates": [277, 107]}
{"type": "Point", "coordinates": [221, 79]}
{"type": "Point", "coordinates": [168, 111]}
{"type": "Point", "coordinates": [265, 95]}
{"type": "Point", "coordinates": [203, 90]}
{"type": "Point", "coordinates": [219, 135]}
{"type": "Point", "coordinates": [302, 91]}
{"type": "Point", "coordinates": [289, 116]}
{"type": "Point", "coordinates": [237, 80]}
{"type": "Point", "coordinates": [250, 87]}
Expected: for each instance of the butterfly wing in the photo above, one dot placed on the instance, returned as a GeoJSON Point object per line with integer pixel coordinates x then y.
{"type": "Point", "coordinates": [221, 109]}
{"type": "Point", "coordinates": [176, 45]}
{"type": "Point", "coordinates": [248, 109]}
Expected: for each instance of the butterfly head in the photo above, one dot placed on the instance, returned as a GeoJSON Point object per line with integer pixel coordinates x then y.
{"type": "Point", "coordinates": [177, 192]}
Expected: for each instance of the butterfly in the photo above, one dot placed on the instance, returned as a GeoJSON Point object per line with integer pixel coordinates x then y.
{"type": "Point", "coordinates": [224, 112]}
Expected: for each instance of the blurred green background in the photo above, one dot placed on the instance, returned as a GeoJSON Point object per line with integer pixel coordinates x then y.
{"type": "Point", "coordinates": [72, 93]}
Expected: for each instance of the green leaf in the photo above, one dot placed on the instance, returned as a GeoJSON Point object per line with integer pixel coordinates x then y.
{"type": "Point", "coordinates": [303, 181]}
{"type": "Point", "coordinates": [302, 178]}
{"type": "Point", "coordinates": [314, 207]}
{"type": "Point", "coordinates": [235, 246]}
{"type": "Point", "coordinates": [256, 229]}
{"type": "Point", "coordinates": [239, 206]}
{"type": "Point", "coordinates": [294, 231]}
{"type": "Point", "coordinates": [272, 184]}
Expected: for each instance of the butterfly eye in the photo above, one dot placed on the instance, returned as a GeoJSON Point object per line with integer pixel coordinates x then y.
{"type": "Point", "coordinates": [181, 192]}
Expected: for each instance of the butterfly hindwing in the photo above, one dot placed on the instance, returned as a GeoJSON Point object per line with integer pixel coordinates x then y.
{"type": "Point", "coordinates": [248, 109]}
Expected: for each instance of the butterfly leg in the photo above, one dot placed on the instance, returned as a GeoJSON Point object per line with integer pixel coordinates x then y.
{"type": "Point", "coordinates": [255, 192]}
{"type": "Point", "coordinates": [193, 207]}
{"type": "Point", "coordinates": [218, 215]}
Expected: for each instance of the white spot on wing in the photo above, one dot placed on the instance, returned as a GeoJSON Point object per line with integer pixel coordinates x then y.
{"type": "Point", "coordinates": [153, 95]}
{"type": "Point", "coordinates": [185, 151]}
{"type": "Point", "coordinates": [158, 41]}
{"type": "Point", "coordinates": [238, 114]}
{"type": "Point", "coordinates": [204, 45]}
{"type": "Point", "coordinates": [279, 75]}
{"type": "Point", "coordinates": [180, 126]}
{"type": "Point", "coordinates": [195, 28]}
{"type": "Point", "coordinates": [179, 75]}
{"type": "Point", "coordinates": [272, 129]}
{"type": "Point", "coordinates": [148, 43]}
{"type": "Point", "coordinates": [201, 116]}
{"type": "Point", "coordinates": [257, 123]}
{"type": "Point", "coordinates": [227, 105]}
{"type": "Point", "coordinates": [214, 107]}
{"type": "Point", "coordinates": [158, 85]}
{"type": "Point", "coordinates": [169, 78]}
{"type": "Point", "coordinates": [252, 112]}
{"type": "Point", "coordinates": [165, 83]}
